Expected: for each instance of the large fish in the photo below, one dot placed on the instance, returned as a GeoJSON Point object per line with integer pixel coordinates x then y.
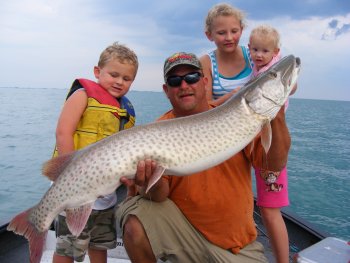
{"type": "Point", "coordinates": [180, 147]}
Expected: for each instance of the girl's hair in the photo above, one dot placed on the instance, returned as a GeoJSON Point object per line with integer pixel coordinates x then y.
{"type": "Point", "coordinates": [120, 52]}
{"type": "Point", "coordinates": [266, 31]}
{"type": "Point", "coordinates": [223, 9]}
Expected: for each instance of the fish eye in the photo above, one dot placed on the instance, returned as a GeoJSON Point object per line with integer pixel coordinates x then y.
{"type": "Point", "coordinates": [273, 74]}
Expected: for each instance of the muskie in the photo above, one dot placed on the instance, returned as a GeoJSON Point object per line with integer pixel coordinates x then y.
{"type": "Point", "coordinates": [180, 147]}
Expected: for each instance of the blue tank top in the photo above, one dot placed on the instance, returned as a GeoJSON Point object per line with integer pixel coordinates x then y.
{"type": "Point", "coordinates": [223, 85]}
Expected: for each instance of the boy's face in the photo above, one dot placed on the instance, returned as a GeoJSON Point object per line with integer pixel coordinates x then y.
{"type": "Point", "coordinates": [226, 32]}
{"type": "Point", "coordinates": [262, 50]}
{"type": "Point", "coordinates": [115, 77]}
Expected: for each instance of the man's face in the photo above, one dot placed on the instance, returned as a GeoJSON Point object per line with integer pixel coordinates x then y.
{"type": "Point", "coordinates": [187, 99]}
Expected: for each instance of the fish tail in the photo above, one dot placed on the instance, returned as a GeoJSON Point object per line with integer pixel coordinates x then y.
{"type": "Point", "coordinates": [22, 226]}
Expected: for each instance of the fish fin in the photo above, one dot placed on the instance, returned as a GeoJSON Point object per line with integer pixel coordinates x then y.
{"type": "Point", "coordinates": [157, 174]}
{"type": "Point", "coordinates": [21, 225]}
{"type": "Point", "coordinates": [77, 217]}
{"type": "Point", "coordinates": [54, 167]}
{"type": "Point", "coordinates": [266, 136]}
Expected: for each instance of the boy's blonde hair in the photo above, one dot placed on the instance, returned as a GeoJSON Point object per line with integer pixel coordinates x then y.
{"type": "Point", "coordinates": [266, 31]}
{"type": "Point", "coordinates": [120, 52]}
{"type": "Point", "coordinates": [223, 9]}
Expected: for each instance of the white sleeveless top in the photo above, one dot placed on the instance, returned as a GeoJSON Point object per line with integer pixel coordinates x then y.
{"type": "Point", "coordinates": [223, 85]}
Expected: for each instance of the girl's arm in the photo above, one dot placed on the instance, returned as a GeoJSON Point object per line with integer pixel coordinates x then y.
{"type": "Point", "coordinates": [206, 64]}
{"type": "Point", "coordinates": [223, 98]}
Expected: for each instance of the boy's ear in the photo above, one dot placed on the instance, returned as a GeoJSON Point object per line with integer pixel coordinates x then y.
{"type": "Point", "coordinates": [208, 34]}
{"type": "Point", "coordinates": [97, 72]}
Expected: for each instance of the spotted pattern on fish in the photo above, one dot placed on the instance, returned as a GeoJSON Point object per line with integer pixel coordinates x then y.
{"type": "Point", "coordinates": [182, 146]}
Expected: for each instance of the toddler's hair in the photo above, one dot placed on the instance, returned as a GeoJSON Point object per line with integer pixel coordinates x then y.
{"type": "Point", "coordinates": [266, 31]}
{"type": "Point", "coordinates": [223, 9]}
{"type": "Point", "coordinates": [120, 52]}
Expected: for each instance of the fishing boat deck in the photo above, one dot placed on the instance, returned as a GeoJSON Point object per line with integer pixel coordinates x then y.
{"type": "Point", "coordinates": [14, 248]}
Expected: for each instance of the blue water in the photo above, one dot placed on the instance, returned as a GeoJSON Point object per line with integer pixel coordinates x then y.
{"type": "Point", "coordinates": [319, 163]}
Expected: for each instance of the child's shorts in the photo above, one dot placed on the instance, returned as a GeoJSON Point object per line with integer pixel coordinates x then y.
{"type": "Point", "coordinates": [99, 233]}
{"type": "Point", "coordinates": [272, 188]}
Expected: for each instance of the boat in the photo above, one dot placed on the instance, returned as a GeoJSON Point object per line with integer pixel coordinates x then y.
{"type": "Point", "coordinates": [302, 235]}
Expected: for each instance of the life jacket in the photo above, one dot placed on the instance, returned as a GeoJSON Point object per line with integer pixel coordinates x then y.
{"type": "Point", "coordinates": [103, 116]}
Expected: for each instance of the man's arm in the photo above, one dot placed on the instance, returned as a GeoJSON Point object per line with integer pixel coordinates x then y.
{"type": "Point", "coordinates": [276, 157]}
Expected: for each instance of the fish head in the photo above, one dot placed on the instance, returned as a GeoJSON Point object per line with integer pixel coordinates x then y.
{"type": "Point", "coordinates": [267, 93]}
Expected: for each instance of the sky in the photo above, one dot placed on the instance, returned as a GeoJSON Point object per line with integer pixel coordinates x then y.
{"type": "Point", "coordinates": [48, 44]}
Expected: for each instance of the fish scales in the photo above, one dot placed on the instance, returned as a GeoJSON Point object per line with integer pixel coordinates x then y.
{"type": "Point", "coordinates": [191, 138]}
{"type": "Point", "coordinates": [182, 146]}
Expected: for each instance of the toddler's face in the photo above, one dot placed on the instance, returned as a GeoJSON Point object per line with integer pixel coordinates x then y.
{"type": "Point", "coordinates": [262, 50]}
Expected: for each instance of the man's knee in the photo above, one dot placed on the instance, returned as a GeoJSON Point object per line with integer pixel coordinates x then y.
{"type": "Point", "coordinates": [133, 230]}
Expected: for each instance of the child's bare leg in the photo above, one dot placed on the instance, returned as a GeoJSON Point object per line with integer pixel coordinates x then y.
{"type": "Point", "coordinates": [277, 232]}
{"type": "Point", "coordinates": [61, 259]}
{"type": "Point", "coordinates": [97, 256]}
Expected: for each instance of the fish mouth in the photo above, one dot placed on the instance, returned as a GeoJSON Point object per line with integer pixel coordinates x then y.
{"type": "Point", "coordinates": [290, 73]}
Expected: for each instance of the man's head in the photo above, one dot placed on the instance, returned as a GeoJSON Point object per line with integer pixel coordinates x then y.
{"type": "Point", "coordinates": [185, 84]}
{"type": "Point", "coordinates": [180, 58]}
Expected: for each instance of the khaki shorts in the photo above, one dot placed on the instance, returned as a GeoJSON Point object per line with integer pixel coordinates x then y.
{"type": "Point", "coordinates": [99, 233]}
{"type": "Point", "coordinates": [173, 238]}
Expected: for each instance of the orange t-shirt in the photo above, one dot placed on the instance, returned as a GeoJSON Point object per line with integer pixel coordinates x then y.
{"type": "Point", "coordinates": [218, 202]}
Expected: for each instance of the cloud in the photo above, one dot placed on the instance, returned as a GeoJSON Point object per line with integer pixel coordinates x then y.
{"type": "Point", "coordinates": [47, 44]}
{"type": "Point", "coordinates": [344, 29]}
{"type": "Point", "coordinates": [333, 23]}
{"type": "Point", "coordinates": [336, 28]}
{"type": "Point", "coordinates": [319, 58]}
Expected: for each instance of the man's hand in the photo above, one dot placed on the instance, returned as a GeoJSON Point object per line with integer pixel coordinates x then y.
{"type": "Point", "coordinates": [280, 144]}
{"type": "Point", "coordinates": [145, 169]}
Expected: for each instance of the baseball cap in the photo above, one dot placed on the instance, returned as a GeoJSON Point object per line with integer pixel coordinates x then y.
{"type": "Point", "coordinates": [180, 58]}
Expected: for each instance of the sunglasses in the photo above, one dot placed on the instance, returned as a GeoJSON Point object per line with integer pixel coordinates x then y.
{"type": "Point", "coordinates": [190, 78]}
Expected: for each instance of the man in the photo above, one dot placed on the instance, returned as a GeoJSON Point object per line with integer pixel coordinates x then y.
{"type": "Point", "coordinates": [207, 216]}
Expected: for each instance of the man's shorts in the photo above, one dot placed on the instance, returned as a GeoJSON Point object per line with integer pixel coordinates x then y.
{"type": "Point", "coordinates": [173, 238]}
{"type": "Point", "coordinates": [99, 233]}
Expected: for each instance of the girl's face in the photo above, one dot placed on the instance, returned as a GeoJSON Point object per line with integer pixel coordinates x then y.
{"type": "Point", "coordinates": [226, 32]}
{"type": "Point", "coordinates": [262, 50]}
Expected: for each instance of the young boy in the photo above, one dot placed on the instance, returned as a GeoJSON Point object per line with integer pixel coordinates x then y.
{"type": "Point", "coordinates": [272, 188]}
{"type": "Point", "coordinates": [93, 111]}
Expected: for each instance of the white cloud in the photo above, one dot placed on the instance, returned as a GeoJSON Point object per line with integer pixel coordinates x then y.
{"type": "Point", "coordinates": [49, 44]}
{"type": "Point", "coordinates": [320, 59]}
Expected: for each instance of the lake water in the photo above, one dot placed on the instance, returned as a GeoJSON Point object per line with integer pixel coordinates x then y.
{"type": "Point", "coordinates": [319, 162]}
